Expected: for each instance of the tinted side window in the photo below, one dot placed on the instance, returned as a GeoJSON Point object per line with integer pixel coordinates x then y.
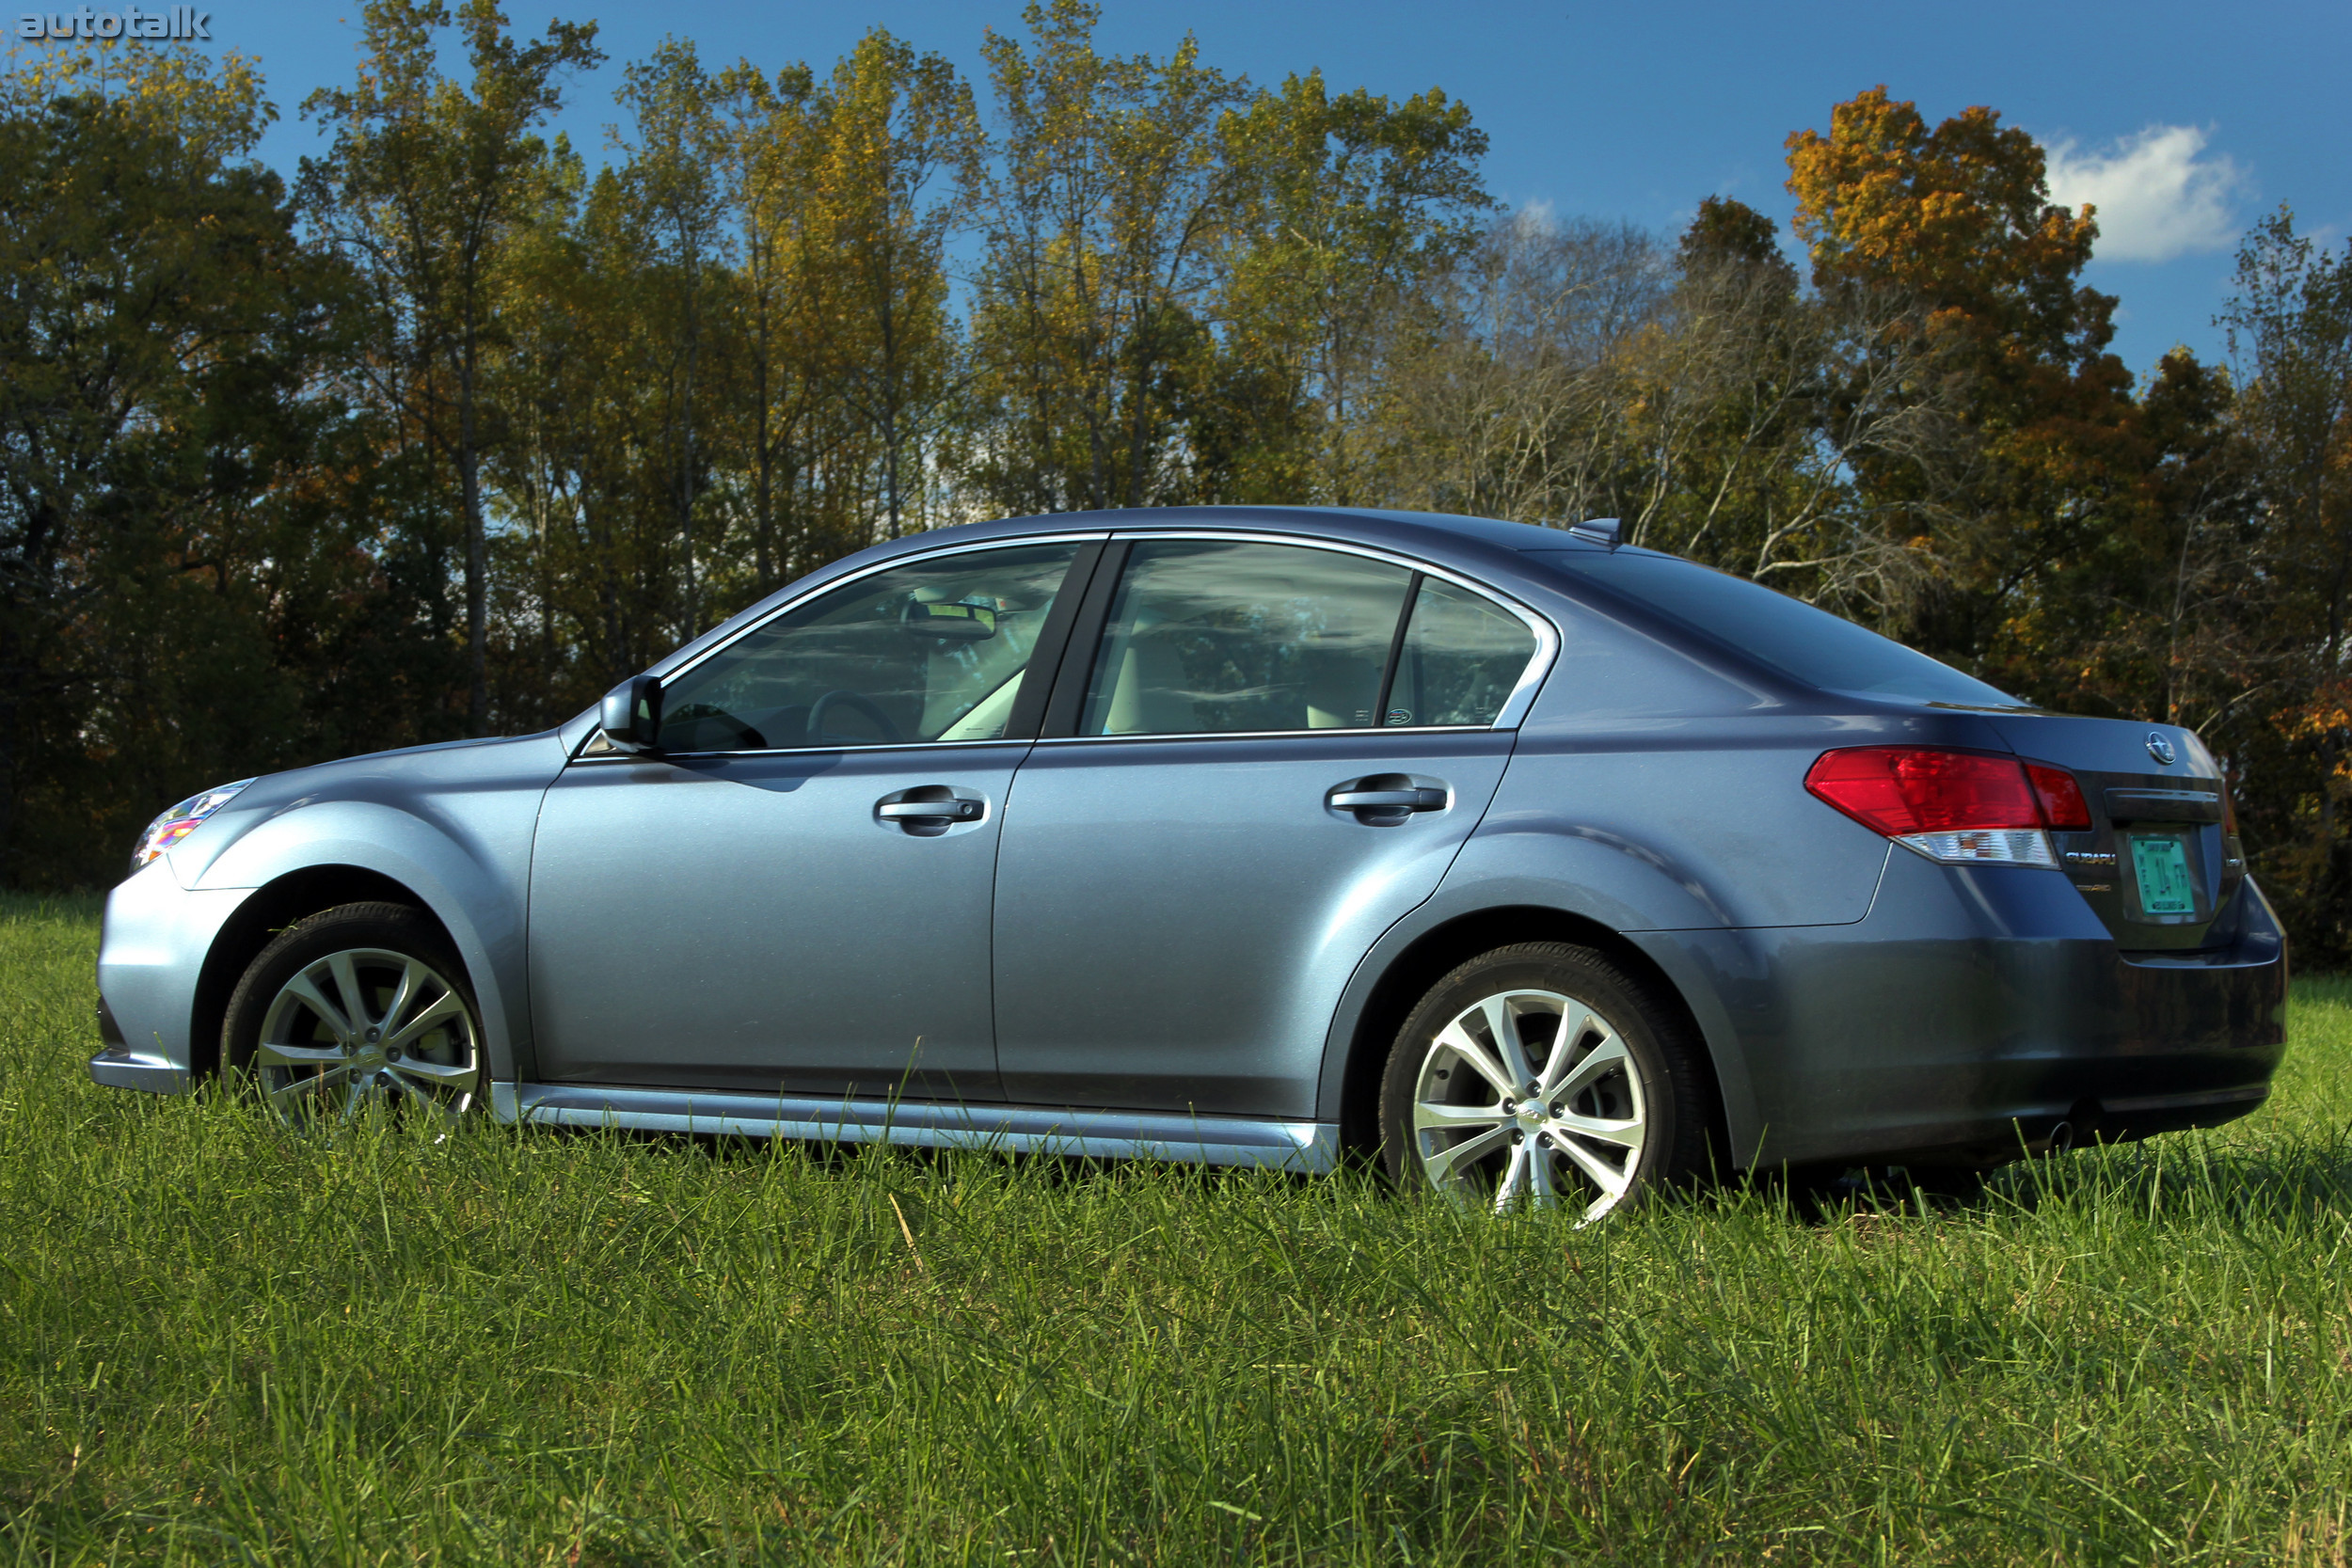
{"type": "Point", "coordinates": [1818, 648]}
{"type": "Point", "coordinates": [1462, 659]}
{"type": "Point", "coordinates": [931, 651]}
{"type": "Point", "coordinates": [1210, 637]}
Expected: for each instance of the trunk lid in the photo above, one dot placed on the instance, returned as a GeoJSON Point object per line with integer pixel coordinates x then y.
{"type": "Point", "coordinates": [2157, 864]}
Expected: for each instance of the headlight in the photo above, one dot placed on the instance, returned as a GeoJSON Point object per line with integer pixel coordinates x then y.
{"type": "Point", "coordinates": [181, 820]}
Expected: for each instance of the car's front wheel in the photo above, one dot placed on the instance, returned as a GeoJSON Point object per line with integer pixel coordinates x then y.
{"type": "Point", "coordinates": [358, 1006]}
{"type": "Point", "coordinates": [1544, 1075]}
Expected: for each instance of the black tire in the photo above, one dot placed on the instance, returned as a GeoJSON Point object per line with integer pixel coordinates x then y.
{"type": "Point", "coordinates": [1634, 1064]}
{"type": "Point", "coordinates": [413, 1042]}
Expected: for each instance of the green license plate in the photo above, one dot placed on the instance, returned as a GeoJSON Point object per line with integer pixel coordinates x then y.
{"type": "Point", "coordinates": [2161, 868]}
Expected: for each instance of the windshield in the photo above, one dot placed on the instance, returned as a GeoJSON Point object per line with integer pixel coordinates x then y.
{"type": "Point", "coordinates": [1807, 645]}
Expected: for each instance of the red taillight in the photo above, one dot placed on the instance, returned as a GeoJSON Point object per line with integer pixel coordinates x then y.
{"type": "Point", "coordinates": [1960, 807]}
{"type": "Point", "coordinates": [1911, 789]}
{"type": "Point", "coordinates": [2064, 808]}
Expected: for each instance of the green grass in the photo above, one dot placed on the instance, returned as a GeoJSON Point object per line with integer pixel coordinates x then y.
{"type": "Point", "coordinates": [216, 1344]}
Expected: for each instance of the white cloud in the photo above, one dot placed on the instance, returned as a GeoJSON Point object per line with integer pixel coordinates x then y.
{"type": "Point", "coordinates": [2156, 197]}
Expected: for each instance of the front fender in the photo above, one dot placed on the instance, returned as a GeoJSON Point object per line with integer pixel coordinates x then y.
{"type": "Point", "coordinates": [454, 828]}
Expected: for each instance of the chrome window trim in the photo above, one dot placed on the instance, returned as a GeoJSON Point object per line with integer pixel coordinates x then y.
{"type": "Point", "coordinates": [1018, 542]}
{"type": "Point", "coordinates": [1508, 717]}
{"type": "Point", "coordinates": [603, 757]}
{"type": "Point", "coordinates": [606, 759]}
{"type": "Point", "coordinates": [786, 607]}
{"type": "Point", "coordinates": [1263, 735]}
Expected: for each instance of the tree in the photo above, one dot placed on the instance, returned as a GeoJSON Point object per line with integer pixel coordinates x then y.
{"type": "Point", "coordinates": [1098, 215]}
{"type": "Point", "coordinates": [185, 578]}
{"type": "Point", "coordinates": [1756, 406]}
{"type": "Point", "coordinates": [2290, 326]}
{"type": "Point", "coordinates": [675, 201]}
{"type": "Point", "coordinates": [543, 382]}
{"type": "Point", "coordinates": [1510, 411]}
{"type": "Point", "coordinates": [892, 124]}
{"type": "Point", "coordinates": [422, 189]}
{"type": "Point", "coordinates": [1592, 371]}
{"type": "Point", "coordinates": [768, 174]}
{"type": "Point", "coordinates": [1953, 227]}
{"type": "Point", "coordinates": [1347, 208]}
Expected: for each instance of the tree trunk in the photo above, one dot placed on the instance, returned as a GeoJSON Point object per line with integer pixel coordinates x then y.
{"type": "Point", "coordinates": [10, 673]}
{"type": "Point", "coordinates": [685, 444]}
{"type": "Point", "coordinates": [763, 474]}
{"type": "Point", "coordinates": [470, 496]}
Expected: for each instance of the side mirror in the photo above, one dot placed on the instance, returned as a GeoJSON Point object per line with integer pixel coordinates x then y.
{"type": "Point", "coordinates": [632, 718]}
{"type": "Point", "coordinates": [950, 623]}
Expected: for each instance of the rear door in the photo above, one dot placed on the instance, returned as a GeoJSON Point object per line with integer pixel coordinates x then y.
{"type": "Point", "coordinates": [1270, 753]}
{"type": "Point", "coordinates": [2157, 864]}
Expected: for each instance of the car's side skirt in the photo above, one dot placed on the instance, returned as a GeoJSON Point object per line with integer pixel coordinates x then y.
{"type": "Point", "coordinates": [1310, 1147]}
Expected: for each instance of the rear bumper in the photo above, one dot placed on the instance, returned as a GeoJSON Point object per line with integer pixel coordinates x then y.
{"type": "Point", "coordinates": [1974, 1009]}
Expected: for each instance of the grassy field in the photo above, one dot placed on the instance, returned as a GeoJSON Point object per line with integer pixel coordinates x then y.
{"type": "Point", "coordinates": [217, 1345]}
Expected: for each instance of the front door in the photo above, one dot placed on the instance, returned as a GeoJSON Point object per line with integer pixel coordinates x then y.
{"type": "Point", "coordinates": [1187, 880]}
{"type": "Point", "coordinates": [793, 895]}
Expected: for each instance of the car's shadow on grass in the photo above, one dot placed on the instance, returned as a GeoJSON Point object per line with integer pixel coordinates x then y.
{"type": "Point", "coordinates": [2178, 1176]}
{"type": "Point", "coordinates": [2174, 1179]}
{"type": "Point", "coordinates": [845, 1158]}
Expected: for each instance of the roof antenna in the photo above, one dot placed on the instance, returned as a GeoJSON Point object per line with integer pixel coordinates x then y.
{"type": "Point", "coordinates": [1605, 532]}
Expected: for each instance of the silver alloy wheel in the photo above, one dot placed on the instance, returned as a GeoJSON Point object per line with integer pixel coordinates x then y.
{"type": "Point", "coordinates": [1530, 1097]}
{"type": "Point", "coordinates": [367, 1026]}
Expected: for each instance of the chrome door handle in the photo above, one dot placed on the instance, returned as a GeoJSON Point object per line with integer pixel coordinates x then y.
{"type": "Point", "coordinates": [1389, 799]}
{"type": "Point", "coordinates": [928, 811]}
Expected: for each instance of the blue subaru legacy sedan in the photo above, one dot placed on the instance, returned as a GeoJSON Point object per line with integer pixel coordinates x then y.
{"type": "Point", "coordinates": [1551, 872]}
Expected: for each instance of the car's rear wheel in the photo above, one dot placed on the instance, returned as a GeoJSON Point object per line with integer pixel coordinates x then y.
{"type": "Point", "coordinates": [358, 1007]}
{"type": "Point", "coordinates": [1544, 1075]}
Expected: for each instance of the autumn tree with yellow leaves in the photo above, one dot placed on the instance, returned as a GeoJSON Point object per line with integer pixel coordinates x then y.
{"type": "Point", "coordinates": [1956, 222]}
{"type": "Point", "coordinates": [424, 185]}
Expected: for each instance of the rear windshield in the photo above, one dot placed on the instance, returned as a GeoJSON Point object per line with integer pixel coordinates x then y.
{"type": "Point", "coordinates": [1808, 644]}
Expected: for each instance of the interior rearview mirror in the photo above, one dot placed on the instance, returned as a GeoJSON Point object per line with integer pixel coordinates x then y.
{"type": "Point", "coordinates": [631, 719]}
{"type": "Point", "coordinates": [953, 622]}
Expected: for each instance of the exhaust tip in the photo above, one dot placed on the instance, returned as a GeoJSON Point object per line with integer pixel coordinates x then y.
{"type": "Point", "coordinates": [2061, 1137]}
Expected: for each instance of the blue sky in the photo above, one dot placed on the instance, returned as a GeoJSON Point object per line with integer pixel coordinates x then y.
{"type": "Point", "coordinates": [2185, 121]}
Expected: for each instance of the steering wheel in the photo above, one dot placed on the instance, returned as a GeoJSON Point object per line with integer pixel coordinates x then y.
{"type": "Point", "coordinates": [846, 698]}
